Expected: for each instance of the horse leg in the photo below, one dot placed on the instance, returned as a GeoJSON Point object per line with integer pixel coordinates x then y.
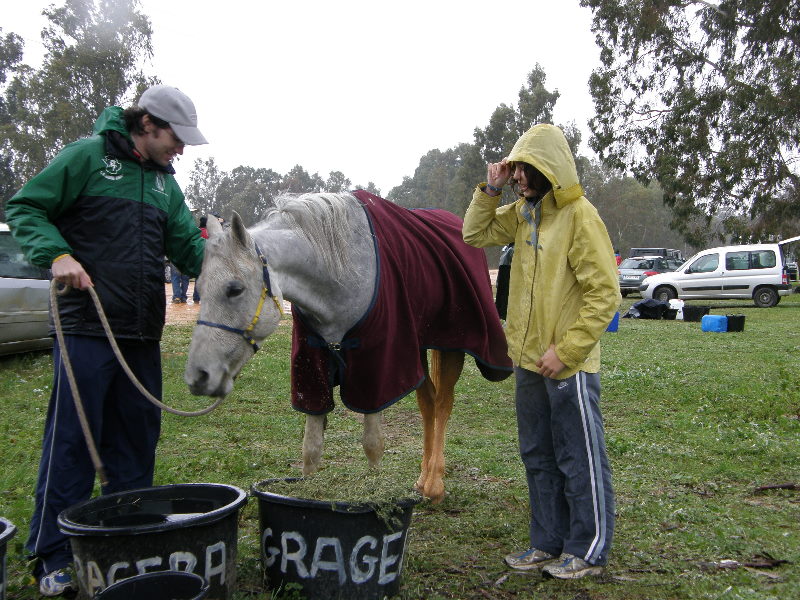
{"type": "Point", "coordinates": [445, 370]}
{"type": "Point", "coordinates": [312, 443]}
{"type": "Point", "coordinates": [426, 396]}
{"type": "Point", "coordinates": [372, 440]}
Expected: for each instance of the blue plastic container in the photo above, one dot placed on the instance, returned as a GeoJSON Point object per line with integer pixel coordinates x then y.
{"type": "Point", "coordinates": [714, 323]}
{"type": "Point", "coordinates": [614, 325]}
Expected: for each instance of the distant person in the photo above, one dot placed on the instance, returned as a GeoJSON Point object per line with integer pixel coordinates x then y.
{"type": "Point", "coordinates": [563, 294]}
{"type": "Point", "coordinates": [617, 257]}
{"type": "Point", "coordinates": [103, 214]}
{"type": "Point", "coordinates": [180, 285]}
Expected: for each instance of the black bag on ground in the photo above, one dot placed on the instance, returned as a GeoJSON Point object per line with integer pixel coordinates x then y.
{"type": "Point", "coordinates": [650, 309]}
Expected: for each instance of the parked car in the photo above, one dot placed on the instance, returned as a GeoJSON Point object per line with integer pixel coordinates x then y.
{"type": "Point", "coordinates": [754, 271]}
{"type": "Point", "coordinates": [632, 271]}
{"type": "Point", "coordinates": [24, 300]}
{"type": "Point", "coordinates": [665, 252]}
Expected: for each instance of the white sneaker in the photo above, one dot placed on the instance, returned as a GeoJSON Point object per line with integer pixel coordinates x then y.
{"type": "Point", "coordinates": [571, 567]}
{"type": "Point", "coordinates": [57, 583]}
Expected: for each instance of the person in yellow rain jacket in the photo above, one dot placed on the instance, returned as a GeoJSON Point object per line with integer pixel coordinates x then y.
{"type": "Point", "coordinates": [563, 294]}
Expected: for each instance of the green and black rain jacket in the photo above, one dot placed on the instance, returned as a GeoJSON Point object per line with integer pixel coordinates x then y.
{"type": "Point", "coordinates": [119, 218]}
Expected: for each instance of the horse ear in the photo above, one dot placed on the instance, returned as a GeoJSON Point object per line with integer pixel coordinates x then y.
{"type": "Point", "coordinates": [213, 226]}
{"type": "Point", "coordinates": [239, 231]}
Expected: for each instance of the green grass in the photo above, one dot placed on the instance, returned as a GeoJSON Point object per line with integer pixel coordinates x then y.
{"type": "Point", "coordinates": [695, 423]}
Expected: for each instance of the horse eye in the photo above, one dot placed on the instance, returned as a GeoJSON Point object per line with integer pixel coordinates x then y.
{"type": "Point", "coordinates": [235, 288]}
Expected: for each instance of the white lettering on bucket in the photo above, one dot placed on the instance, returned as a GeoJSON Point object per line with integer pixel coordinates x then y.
{"type": "Point", "coordinates": [219, 568]}
{"type": "Point", "coordinates": [270, 552]}
{"type": "Point", "coordinates": [326, 565]}
{"type": "Point", "coordinates": [387, 560]}
{"type": "Point", "coordinates": [187, 559]}
{"type": "Point", "coordinates": [153, 561]}
{"type": "Point", "coordinates": [94, 577]}
{"type": "Point", "coordinates": [111, 576]}
{"type": "Point", "coordinates": [357, 574]}
{"type": "Point", "coordinates": [297, 555]}
{"type": "Point", "coordinates": [294, 549]}
{"type": "Point", "coordinates": [178, 561]}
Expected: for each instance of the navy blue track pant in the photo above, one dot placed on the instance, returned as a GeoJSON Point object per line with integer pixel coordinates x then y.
{"type": "Point", "coordinates": [562, 445]}
{"type": "Point", "coordinates": [124, 424]}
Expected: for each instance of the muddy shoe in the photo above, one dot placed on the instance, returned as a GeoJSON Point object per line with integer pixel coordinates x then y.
{"type": "Point", "coordinates": [571, 567]}
{"type": "Point", "coordinates": [57, 583]}
{"type": "Point", "coordinates": [529, 559]}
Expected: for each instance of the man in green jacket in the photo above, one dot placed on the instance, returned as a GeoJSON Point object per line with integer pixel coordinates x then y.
{"type": "Point", "coordinates": [104, 214]}
{"type": "Point", "coordinates": [563, 294]}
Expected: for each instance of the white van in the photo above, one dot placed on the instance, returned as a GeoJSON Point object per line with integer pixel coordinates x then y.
{"type": "Point", "coordinates": [753, 271]}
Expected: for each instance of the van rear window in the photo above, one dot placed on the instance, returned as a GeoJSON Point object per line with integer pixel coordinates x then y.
{"type": "Point", "coordinates": [756, 259]}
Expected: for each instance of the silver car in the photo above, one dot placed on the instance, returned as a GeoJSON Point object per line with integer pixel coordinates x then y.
{"type": "Point", "coordinates": [24, 300]}
{"type": "Point", "coordinates": [632, 271]}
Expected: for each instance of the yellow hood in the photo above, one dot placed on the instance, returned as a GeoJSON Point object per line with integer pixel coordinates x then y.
{"type": "Point", "coordinates": [545, 147]}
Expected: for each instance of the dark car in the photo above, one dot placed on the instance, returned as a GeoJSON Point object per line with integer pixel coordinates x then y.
{"type": "Point", "coordinates": [632, 271]}
{"type": "Point", "coordinates": [24, 300]}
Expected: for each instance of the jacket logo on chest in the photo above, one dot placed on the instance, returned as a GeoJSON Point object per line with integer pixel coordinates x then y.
{"type": "Point", "coordinates": [113, 170]}
{"type": "Point", "coordinates": [160, 184]}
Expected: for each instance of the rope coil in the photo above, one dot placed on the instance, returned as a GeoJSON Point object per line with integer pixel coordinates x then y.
{"type": "Point", "coordinates": [93, 453]}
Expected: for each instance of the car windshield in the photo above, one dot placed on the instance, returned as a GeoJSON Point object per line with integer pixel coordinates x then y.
{"type": "Point", "coordinates": [637, 263]}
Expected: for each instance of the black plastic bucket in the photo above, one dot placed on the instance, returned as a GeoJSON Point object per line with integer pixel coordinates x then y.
{"type": "Point", "coordinates": [735, 322]}
{"type": "Point", "coordinates": [694, 313]}
{"type": "Point", "coordinates": [333, 550]}
{"type": "Point", "coordinates": [189, 527]}
{"type": "Point", "coordinates": [7, 531]}
{"type": "Point", "coordinates": [162, 585]}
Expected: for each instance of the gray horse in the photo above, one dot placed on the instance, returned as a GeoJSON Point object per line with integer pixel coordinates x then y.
{"type": "Point", "coordinates": [319, 252]}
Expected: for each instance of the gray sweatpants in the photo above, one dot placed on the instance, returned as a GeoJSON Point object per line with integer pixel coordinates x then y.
{"type": "Point", "coordinates": [563, 448]}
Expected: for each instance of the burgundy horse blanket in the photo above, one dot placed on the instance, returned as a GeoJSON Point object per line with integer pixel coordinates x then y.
{"type": "Point", "coordinates": [432, 292]}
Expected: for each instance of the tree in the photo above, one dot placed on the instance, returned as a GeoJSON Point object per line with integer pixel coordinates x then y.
{"type": "Point", "coordinates": [702, 97]}
{"type": "Point", "coordinates": [446, 179]}
{"type": "Point", "coordinates": [507, 124]}
{"type": "Point", "coordinates": [337, 182]}
{"type": "Point", "coordinates": [370, 187]}
{"type": "Point", "coordinates": [204, 180]}
{"type": "Point", "coordinates": [299, 181]}
{"type": "Point", "coordinates": [10, 56]}
{"type": "Point", "coordinates": [95, 54]}
{"type": "Point", "coordinates": [248, 191]}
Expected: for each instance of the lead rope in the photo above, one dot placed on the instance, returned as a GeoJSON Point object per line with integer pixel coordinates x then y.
{"type": "Point", "coordinates": [87, 433]}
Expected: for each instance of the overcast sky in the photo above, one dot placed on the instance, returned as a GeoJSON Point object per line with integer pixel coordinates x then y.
{"type": "Point", "coordinates": [362, 87]}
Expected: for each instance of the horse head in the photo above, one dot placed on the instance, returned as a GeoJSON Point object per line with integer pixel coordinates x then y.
{"type": "Point", "coordinates": [241, 306]}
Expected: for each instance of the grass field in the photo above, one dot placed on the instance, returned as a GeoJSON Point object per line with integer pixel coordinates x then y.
{"type": "Point", "coordinates": [696, 423]}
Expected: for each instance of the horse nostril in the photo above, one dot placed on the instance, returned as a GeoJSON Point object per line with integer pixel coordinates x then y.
{"type": "Point", "coordinates": [196, 379]}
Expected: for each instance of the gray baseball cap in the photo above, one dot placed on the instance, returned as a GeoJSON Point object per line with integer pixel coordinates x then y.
{"type": "Point", "coordinates": [176, 108]}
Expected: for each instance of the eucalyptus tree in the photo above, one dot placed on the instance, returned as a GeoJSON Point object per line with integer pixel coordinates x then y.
{"type": "Point", "coordinates": [445, 179]}
{"type": "Point", "coordinates": [507, 123]}
{"type": "Point", "coordinates": [95, 55]}
{"type": "Point", "coordinates": [10, 57]}
{"type": "Point", "coordinates": [249, 191]}
{"type": "Point", "coordinates": [337, 182]}
{"type": "Point", "coordinates": [703, 97]}
{"type": "Point", "coordinates": [204, 181]}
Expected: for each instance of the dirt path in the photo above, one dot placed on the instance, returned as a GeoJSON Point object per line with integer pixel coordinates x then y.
{"type": "Point", "coordinates": [180, 314]}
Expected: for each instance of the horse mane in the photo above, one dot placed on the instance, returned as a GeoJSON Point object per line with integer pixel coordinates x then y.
{"type": "Point", "coordinates": [326, 223]}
